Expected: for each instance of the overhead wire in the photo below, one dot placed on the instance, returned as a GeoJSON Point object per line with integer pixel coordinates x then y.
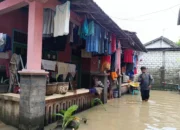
{"type": "Point", "coordinates": [147, 14]}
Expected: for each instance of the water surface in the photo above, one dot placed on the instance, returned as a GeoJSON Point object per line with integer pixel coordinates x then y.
{"type": "Point", "coordinates": [162, 112]}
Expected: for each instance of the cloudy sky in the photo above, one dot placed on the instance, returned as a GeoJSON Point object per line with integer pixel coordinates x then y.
{"type": "Point", "coordinates": [149, 18]}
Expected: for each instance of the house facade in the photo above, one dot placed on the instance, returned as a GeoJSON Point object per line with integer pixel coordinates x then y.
{"type": "Point", "coordinates": [162, 61]}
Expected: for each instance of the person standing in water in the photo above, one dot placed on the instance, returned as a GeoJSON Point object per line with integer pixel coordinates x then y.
{"type": "Point", "coordinates": [146, 81]}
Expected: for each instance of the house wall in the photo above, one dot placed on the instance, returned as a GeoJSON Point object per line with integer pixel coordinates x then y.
{"type": "Point", "coordinates": [17, 19]}
{"type": "Point", "coordinates": [158, 44]}
{"type": "Point", "coordinates": [164, 66]}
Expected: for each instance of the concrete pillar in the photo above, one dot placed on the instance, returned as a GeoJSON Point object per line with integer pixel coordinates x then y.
{"type": "Point", "coordinates": [32, 101]}
{"type": "Point", "coordinates": [33, 79]}
{"type": "Point", "coordinates": [119, 86]}
{"type": "Point", "coordinates": [35, 26]}
{"type": "Point", "coordinates": [105, 92]}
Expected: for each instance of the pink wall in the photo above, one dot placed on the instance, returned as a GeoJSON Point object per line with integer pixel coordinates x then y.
{"type": "Point", "coordinates": [90, 65]}
{"type": "Point", "coordinates": [13, 20]}
{"type": "Point", "coordinates": [65, 56]}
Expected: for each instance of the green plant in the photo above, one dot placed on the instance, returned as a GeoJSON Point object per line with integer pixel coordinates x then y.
{"type": "Point", "coordinates": [97, 101]}
{"type": "Point", "coordinates": [68, 116]}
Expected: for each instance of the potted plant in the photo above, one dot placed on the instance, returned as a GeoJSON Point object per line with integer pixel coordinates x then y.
{"type": "Point", "coordinates": [97, 101]}
{"type": "Point", "coordinates": [69, 121]}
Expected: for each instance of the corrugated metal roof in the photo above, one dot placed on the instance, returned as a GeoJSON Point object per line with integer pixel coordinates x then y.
{"type": "Point", "coordinates": [91, 10]}
{"type": "Point", "coordinates": [169, 42]}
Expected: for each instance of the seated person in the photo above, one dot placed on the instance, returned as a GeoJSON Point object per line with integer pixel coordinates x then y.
{"type": "Point", "coordinates": [97, 87]}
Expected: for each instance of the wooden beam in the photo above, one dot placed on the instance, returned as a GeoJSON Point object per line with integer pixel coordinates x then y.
{"type": "Point", "coordinates": [84, 11]}
{"type": "Point", "coordinates": [80, 3]}
{"type": "Point", "coordinates": [10, 5]}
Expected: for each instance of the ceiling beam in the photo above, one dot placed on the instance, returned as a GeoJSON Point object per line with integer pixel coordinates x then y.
{"type": "Point", "coordinates": [10, 5]}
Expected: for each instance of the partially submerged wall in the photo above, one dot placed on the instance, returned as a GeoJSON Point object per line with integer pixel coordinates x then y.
{"type": "Point", "coordinates": [163, 65]}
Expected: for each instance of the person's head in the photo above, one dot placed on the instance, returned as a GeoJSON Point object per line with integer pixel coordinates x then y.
{"type": "Point", "coordinates": [143, 69]}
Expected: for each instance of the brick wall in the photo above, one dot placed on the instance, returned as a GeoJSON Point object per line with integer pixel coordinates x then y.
{"type": "Point", "coordinates": [155, 60]}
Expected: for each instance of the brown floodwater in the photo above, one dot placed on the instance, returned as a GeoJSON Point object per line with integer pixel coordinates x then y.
{"type": "Point", "coordinates": [162, 112]}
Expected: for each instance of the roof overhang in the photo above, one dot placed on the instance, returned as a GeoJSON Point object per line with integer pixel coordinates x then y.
{"type": "Point", "coordinates": [163, 49]}
{"type": "Point", "coordinates": [91, 10]}
{"type": "Point", "coordinates": [138, 46]}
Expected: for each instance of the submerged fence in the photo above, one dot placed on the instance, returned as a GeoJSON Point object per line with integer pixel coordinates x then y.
{"type": "Point", "coordinates": [167, 87]}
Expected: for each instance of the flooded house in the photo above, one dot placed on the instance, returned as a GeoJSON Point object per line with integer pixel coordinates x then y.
{"type": "Point", "coordinates": [50, 51]}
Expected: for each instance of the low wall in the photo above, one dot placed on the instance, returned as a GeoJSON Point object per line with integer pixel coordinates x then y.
{"type": "Point", "coordinates": [9, 105]}
{"type": "Point", "coordinates": [9, 109]}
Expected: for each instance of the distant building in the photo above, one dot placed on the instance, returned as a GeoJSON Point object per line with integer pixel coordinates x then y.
{"type": "Point", "coordinates": [162, 60]}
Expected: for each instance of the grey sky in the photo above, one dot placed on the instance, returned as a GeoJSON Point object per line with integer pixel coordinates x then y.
{"type": "Point", "coordinates": [125, 13]}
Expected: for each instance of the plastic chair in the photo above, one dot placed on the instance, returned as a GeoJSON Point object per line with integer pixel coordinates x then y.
{"type": "Point", "coordinates": [135, 91]}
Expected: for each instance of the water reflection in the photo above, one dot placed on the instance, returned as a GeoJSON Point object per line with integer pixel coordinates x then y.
{"type": "Point", "coordinates": [129, 113]}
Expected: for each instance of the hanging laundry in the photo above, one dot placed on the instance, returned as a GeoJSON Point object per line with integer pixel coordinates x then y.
{"type": "Point", "coordinates": [135, 61]}
{"type": "Point", "coordinates": [106, 46]}
{"type": "Point", "coordinates": [128, 56]}
{"type": "Point", "coordinates": [85, 54]}
{"type": "Point", "coordinates": [2, 41]}
{"type": "Point", "coordinates": [7, 46]}
{"type": "Point", "coordinates": [105, 63]}
{"type": "Point", "coordinates": [109, 43]}
{"type": "Point", "coordinates": [135, 70]}
{"type": "Point", "coordinates": [102, 41]}
{"type": "Point", "coordinates": [61, 19]}
{"type": "Point", "coordinates": [118, 61]}
{"type": "Point", "coordinates": [72, 26]}
{"type": "Point", "coordinates": [93, 41]}
{"type": "Point", "coordinates": [113, 62]}
{"type": "Point", "coordinates": [62, 69]}
{"type": "Point", "coordinates": [118, 45]}
{"type": "Point", "coordinates": [91, 28]}
{"type": "Point", "coordinates": [109, 49]}
{"type": "Point", "coordinates": [83, 30]}
{"type": "Point", "coordinates": [114, 75]}
{"type": "Point", "coordinates": [72, 69]}
{"type": "Point", "coordinates": [48, 23]}
{"type": "Point", "coordinates": [113, 43]}
{"type": "Point", "coordinates": [49, 65]}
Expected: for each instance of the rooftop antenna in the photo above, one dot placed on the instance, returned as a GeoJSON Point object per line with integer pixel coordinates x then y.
{"type": "Point", "coordinates": [162, 36]}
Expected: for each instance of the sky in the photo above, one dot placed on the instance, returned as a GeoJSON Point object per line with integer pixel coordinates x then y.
{"type": "Point", "coordinates": [150, 19]}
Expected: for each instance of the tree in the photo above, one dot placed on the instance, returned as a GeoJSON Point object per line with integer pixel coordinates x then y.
{"type": "Point", "coordinates": [178, 42]}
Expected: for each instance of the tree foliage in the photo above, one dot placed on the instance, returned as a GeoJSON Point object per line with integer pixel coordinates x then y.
{"type": "Point", "coordinates": [178, 42]}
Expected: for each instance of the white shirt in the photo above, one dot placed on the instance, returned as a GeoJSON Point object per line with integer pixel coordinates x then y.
{"type": "Point", "coordinates": [61, 19]}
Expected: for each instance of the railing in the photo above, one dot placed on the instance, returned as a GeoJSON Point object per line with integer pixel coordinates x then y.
{"type": "Point", "coordinates": [56, 105]}
{"type": "Point", "coordinates": [9, 105]}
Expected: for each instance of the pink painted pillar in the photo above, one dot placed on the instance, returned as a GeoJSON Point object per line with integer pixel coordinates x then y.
{"type": "Point", "coordinates": [35, 25]}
